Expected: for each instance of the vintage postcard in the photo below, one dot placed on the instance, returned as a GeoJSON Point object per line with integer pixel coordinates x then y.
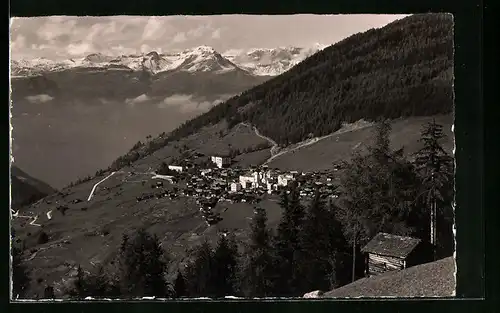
{"type": "Point", "coordinates": [232, 156]}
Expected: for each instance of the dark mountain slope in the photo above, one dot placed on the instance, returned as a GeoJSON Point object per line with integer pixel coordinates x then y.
{"type": "Point", "coordinates": [26, 189]}
{"type": "Point", "coordinates": [400, 70]}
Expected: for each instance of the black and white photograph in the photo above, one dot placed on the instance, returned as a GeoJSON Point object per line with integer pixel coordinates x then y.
{"type": "Point", "coordinates": [232, 157]}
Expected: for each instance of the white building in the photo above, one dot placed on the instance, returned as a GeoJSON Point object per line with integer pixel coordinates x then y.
{"type": "Point", "coordinates": [221, 161]}
{"type": "Point", "coordinates": [235, 187]}
{"type": "Point", "coordinates": [248, 181]}
{"type": "Point", "coordinates": [285, 179]}
{"type": "Point", "coordinates": [175, 168]}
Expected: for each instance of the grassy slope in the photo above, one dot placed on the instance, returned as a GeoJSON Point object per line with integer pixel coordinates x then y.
{"type": "Point", "coordinates": [78, 237]}
{"type": "Point", "coordinates": [435, 279]}
{"type": "Point", "coordinates": [320, 156]}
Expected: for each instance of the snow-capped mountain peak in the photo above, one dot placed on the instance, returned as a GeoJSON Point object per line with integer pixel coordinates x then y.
{"type": "Point", "coordinates": [257, 61]}
{"type": "Point", "coordinates": [271, 61]}
{"type": "Point", "coordinates": [203, 59]}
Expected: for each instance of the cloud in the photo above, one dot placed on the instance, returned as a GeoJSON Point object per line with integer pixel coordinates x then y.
{"type": "Point", "coordinates": [179, 37]}
{"type": "Point", "coordinates": [176, 100]}
{"type": "Point", "coordinates": [39, 98]}
{"type": "Point", "coordinates": [216, 34]}
{"type": "Point", "coordinates": [199, 31]}
{"type": "Point", "coordinates": [18, 43]}
{"type": "Point", "coordinates": [59, 37]}
{"type": "Point", "coordinates": [188, 104]}
{"type": "Point", "coordinates": [79, 48]}
{"type": "Point", "coordinates": [152, 29]}
{"type": "Point", "coordinates": [139, 99]}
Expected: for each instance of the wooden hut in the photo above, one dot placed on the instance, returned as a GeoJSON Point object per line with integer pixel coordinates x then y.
{"type": "Point", "coordinates": [386, 252]}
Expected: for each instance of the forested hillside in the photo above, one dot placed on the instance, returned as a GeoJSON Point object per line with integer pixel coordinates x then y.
{"type": "Point", "coordinates": [403, 69]}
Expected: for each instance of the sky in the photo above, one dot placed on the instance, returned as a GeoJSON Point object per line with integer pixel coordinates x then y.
{"type": "Point", "coordinates": [62, 37]}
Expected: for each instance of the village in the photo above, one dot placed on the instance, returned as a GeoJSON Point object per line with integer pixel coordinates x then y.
{"type": "Point", "coordinates": [216, 181]}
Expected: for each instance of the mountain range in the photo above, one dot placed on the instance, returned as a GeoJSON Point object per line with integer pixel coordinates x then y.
{"type": "Point", "coordinates": [260, 62]}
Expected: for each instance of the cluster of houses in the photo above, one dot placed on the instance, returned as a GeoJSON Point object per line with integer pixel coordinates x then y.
{"type": "Point", "coordinates": [243, 185]}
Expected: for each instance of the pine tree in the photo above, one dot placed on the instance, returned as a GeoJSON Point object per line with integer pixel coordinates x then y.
{"type": "Point", "coordinates": [225, 262]}
{"type": "Point", "coordinates": [142, 266]}
{"type": "Point", "coordinates": [80, 287]}
{"type": "Point", "coordinates": [381, 147]}
{"type": "Point", "coordinates": [287, 244]}
{"type": "Point", "coordinates": [48, 293]}
{"type": "Point", "coordinates": [258, 275]}
{"type": "Point", "coordinates": [379, 189]}
{"type": "Point", "coordinates": [321, 241]}
{"type": "Point", "coordinates": [180, 288]}
{"type": "Point", "coordinates": [20, 275]}
{"type": "Point", "coordinates": [100, 285]}
{"type": "Point", "coordinates": [435, 167]}
{"type": "Point", "coordinates": [199, 272]}
{"type": "Point", "coordinates": [356, 205]}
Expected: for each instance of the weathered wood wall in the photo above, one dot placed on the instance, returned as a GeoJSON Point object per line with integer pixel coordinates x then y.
{"type": "Point", "coordinates": [378, 264]}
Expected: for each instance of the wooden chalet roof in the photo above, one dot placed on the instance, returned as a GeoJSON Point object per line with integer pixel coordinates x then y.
{"type": "Point", "coordinates": [391, 245]}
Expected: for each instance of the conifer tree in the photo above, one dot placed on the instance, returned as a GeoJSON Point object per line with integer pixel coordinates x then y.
{"type": "Point", "coordinates": [225, 262]}
{"type": "Point", "coordinates": [258, 273]}
{"type": "Point", "coordinates": [435, 167]}
{"type": "Point", "coordinates": [199, 272]}
{"type": "Point", "coordinates": [353, 212]}
{"type": "Point", "coordinates": [101, 285]}
{"type": "Point", "coordinates": [142, 266]}
{"type": "Point", "coordinates": [48, 292]}
{"type": "Point", "coordinates": [80, 288]}
{"type": "Point", "coordinates": [321, 243]}
{"type": "Point", "coordinates": [180, 286]}
{"type": "Point", "coordinates": [287, 244]}
{"type": "Point", "coordinates": [379, 188]}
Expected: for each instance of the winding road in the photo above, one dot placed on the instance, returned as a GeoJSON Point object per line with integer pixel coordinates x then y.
{"type": "Point", "coordinates": [274, 149]}
{"type": "Point", "coordinates": [97, 184]}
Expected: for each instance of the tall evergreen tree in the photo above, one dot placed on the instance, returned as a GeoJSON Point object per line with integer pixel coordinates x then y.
{"type": "Point", "coordinates": [379, 189]}
{"type": "Point", "coordinates": [354, 210]}
{"type": "Point", "coordinates": [225, 262]}
{"type": "Point", "coordinates": [321, 246]}
{"type": "Point", "coordinates": [200, 271]}
{"type": "Point", "coordinates": [142, 265]}
{"type": "Point", "coordinates": [287, 244]}
{"type": "Point", "coordinates": [80, 288]}
{"type": "Point", "coordinates": [435, 167]}
{"type": "Point", "coordinates": [101, 285]}
{"type": "Point", "coordinates": [180, 286]}
{"type": "Point", "coordinates": [258, 273]}
{"type": "Point", "coordinates": [48, 292]}
{"type": "Point", "coordinates": [20, 274]}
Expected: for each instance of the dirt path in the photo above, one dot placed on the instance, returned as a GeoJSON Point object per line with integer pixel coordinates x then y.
{"type": "Point", "coordinates": [274, 147]}
{"type": "Point", "coordinates": [347, 128]}
{"type": "Point", "coordinates": [97, 184]}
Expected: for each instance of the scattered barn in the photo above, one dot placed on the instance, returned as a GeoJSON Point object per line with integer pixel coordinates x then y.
{"type": "Point", "coordinates": [386, 252]}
